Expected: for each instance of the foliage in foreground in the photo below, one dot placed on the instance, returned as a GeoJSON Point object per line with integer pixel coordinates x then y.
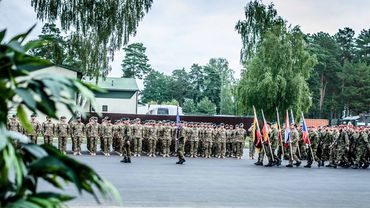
{"type": "Point", "coordinates": [22, 168]}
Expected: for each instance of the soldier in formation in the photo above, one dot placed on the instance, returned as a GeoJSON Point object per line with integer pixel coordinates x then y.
{"type": "Point", "coordinates": [337, 146]}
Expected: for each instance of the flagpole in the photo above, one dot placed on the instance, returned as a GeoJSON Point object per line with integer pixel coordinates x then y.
{"type": "Point", "coordinates": [308, 138]}
{"type": "Point", "coordinates": [177, 129]}
{"type": "Point", "coordinates": [279, 127]}
{"type": "Point", "coordinates": [299, 150]}
{"type": "Point", "coordinates": [258, 127]}
{"type": "Point", "coordinates": [290, 144]}
{"type": "Point", "coordinates": [268, 139]}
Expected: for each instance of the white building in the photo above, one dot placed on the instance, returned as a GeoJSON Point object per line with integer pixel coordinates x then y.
{"type": "Point", "coordinates": [53, 70]}
{"type": "Point", "coordinates": [121, 96]}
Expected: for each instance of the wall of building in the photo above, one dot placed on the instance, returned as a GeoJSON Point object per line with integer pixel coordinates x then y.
{"type": "Point", "coordinates": [116, 105]}
{"type": "Point", "coordinates": [55, 71]}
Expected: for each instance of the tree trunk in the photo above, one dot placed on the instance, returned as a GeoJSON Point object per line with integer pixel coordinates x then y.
{"type": "Point", "coordinates": [322, 92]}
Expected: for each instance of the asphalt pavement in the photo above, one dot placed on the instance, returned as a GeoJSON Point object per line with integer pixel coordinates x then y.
{"type": "Point", "coordinates": [159, 182]}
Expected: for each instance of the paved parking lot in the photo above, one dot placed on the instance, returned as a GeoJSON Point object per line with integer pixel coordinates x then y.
{"type": "Point", "coordinates": [159, 182]}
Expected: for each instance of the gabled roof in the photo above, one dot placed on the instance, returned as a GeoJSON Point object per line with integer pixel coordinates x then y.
{"type": "Point", "coordinates": [116, 83]}
{"type": "Point", "coordinates": [39, 67]}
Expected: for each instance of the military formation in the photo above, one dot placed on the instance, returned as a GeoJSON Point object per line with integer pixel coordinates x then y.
{"type": "Point", "coordinates": [329, 146]}
{"type": "Point", "coordinates": [134, 138]}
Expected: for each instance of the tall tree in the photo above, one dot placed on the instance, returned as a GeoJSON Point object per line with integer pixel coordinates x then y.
{"type": "Point", "coordinates": [179, 84]}
{"type": "Point", "coordinates": [227, 104]}
{"type": "Point", "coordinates": [258, 19]}
{"type": "Point", "coordinates": [156, 87]}
{"type": "Point", "coordinates": [356, 87]}
{"type": "Point", "coordinates": [55, 46]}
{"type": "Point", "coordinates": [135, 64]}
{"type": "Point", "coordinates": [346, 41]}
{"type": "Point", "coordinates": [323, 81]}
{"type": "Point", "coordinates": [277, 75]}
{"type": "Point", "coordinates": [217, 74]}
{"type": "Point", "coordinates": [363, 46]}
{"type": "Point", "coordinates": [97, 28]}
{"type": "Point", "coordinates": [206, 106]}
{"type": "Point", "coordinates": [197, 78]}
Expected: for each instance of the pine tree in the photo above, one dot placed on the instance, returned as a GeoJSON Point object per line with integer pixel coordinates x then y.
{"type": "Point", "coordinates": [135, 64]}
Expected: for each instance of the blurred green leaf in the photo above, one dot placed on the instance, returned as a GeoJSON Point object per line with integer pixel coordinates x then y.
{"type": "Point", "coordinates": [15, 45]}
{"type": "Point", "coordinates": [27, 97]}
{"type": "Point", "coordinates": [35, 150]}
{"type": "Point", "coordinates": [22, 116]}
{"type": "Point", "coordinates": [21, 37]}
{"type": "Point", "coordinates": [2, 35]}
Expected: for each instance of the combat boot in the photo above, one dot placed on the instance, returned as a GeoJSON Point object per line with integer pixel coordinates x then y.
{"type": "Point", "coordinates": [355, 166]}
{"type": "Point", "coordinates": [298, 163]}
{"type": "Point", "coordinates": [330, 165]}
{"type": "Point", "coordinates": [366, 165]}
{"type": "Point", "coordinates": [278, 163]}
{"type": "Point", "coordinates": [289, 166]}
{"type": "Point", "coordinates": [269, 164]}
{"type": "Point", "coordinates": [182, 161]}
{"type": "Point", "coordinates": [124, 160]}
{"type": "Point", "coordinates": [307, 166]}
{"type": "Point", "coordinates": [258, 163]}
{"type": "Point", "coordinates": [129, 160]}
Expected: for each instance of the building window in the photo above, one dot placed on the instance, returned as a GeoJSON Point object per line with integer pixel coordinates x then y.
{"type": "Point", "coordinates": [104, 108]}
{"type": "Point", "coordinates": [92, 109]}
{"type": "Point", "coordinates": [162, 111]}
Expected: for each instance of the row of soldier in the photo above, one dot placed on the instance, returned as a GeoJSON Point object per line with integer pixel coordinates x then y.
{"type": "Point", "coordinates": [344, 146]}
{"type": "Point", "coordinates": [153, 138]}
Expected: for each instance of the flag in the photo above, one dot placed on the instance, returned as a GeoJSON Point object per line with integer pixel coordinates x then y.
{"type": "Point", "coordinates": [291, 117]}
{"type": "Point", "coordinates": [305, 138]}
{"type": "Point", "coordinates": [258, 133]}
{"type": "Point", "coordinates": [177, 118]}
{"type": "Point", "coordinates": [278, 124]}
{"type": "Point", "coordinates": [287, 129]}
{"type": "Point", "coordinates": [265, 129]}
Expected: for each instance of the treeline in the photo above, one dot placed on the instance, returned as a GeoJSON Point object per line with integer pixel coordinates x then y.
{"type": "Point", "coordinates": [201, 89]}
{"type": "Point", "coordinates": [340, 81]}
{"type": "Point", "coordinates": [322, 75]}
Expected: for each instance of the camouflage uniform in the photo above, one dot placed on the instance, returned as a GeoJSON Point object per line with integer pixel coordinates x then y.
{"type": "Point", "coordinates": [77, 133]}
{"type": "Point", "coordinates": [333, 137]}
{"type": "Point", "coordinates": [229, 142]}
{"type": "Point", "coordinates": [36, 126]}
{"type": "Point", "coordinates": [167, 137]}
{"type": "Point", "coordinates": [117, 138]}
{"type": "Point", "coordinates": [181, 145]}
{"type": "Point", "coordinates": [92, 133]}
{"type": "Point", "coordinates": [274, 142]}
{"type": "Point", "coordinates": [14, 125]}
{"type": "Point", "coordinates": [48, 132]}
{"type": "Point", "coordinates": [221, 134]}
{"type": "Point", "coordinates": [137, 135]}
{"type": "Point", "coordinates": [107, 133]}
{"type": "Point", "coordinates": [194, 139]}
{"type": "Point", "coordinates": [314, 139]}
{"type": "Point", "coordinates": [240, 135]}
{"type": "Point", "coordinates": [294, 136]}
{"type": "Point", "coordinates": [126, 142]}
{"type": "Point", "coordinates": [152, 138]}
{"type": "Point", "coordinates": [62, 131]}
{"type": "Point", "coordinates": [207, 142]}
{"type": "Point", "coordinates": [342, 148]}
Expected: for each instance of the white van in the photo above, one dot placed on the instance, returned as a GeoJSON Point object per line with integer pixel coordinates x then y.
{"type": "Point", "coordinates": [164, 110]}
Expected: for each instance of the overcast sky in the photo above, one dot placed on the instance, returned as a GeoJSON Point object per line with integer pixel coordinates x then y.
{"type": "Point", "coordinates": [178, 33]}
